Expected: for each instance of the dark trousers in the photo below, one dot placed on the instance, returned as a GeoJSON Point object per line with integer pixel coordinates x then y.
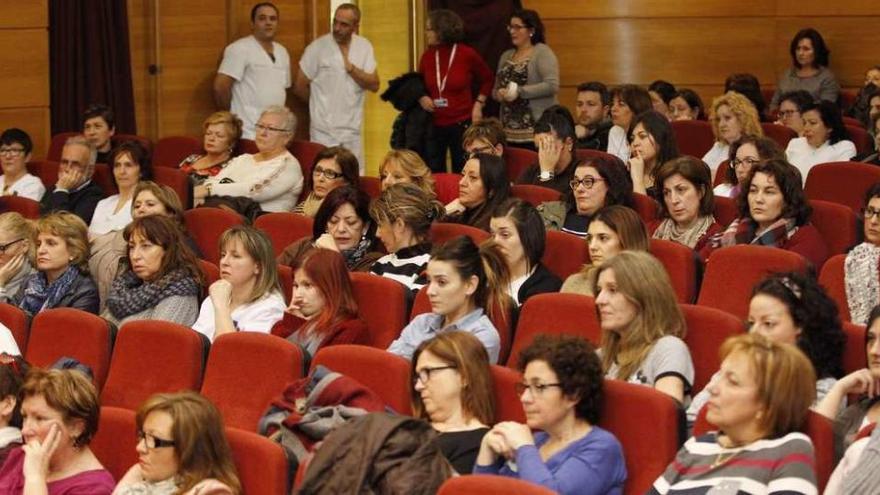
{"type": "Point", "coordinates": [447, 138]}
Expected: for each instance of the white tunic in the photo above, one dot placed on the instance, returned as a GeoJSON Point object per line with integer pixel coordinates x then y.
{"type": "Point", "coordinates": [803, 156]}
{"type": "Point", "coordinates": [28, 186]}
{"type": "Point", "coordinates": [719, 152]}
{"type": "Point", "coordinates": [258, 316]}
{"type": "Point", "coordinates": [275, 183]}
{"type": "Point", "coordinates": [105, 220]}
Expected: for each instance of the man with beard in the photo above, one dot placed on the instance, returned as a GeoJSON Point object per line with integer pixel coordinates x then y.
{"type": "Point", "coordinates": [593, 104]}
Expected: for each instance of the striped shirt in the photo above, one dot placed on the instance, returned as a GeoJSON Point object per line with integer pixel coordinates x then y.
{"type": "Point", "coordinates": [780, 466]}
{"type": "Point", "coordinates": [406, 266]}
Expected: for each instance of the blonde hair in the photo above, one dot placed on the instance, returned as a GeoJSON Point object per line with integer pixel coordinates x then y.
{"type": "Point", "coordinates": [742, 108]}
{"type": "Point", "coordinates": [230, 121]}
{"type": "Point", "coordinates": [413, 166]}
{"type": "Point", "coordinates": [167, 196]}
{"type": "Point", "coordinates": [258, 247]}
{"type": "Point", "coordinates": [73, 230]}
{"type": "Point", "coordinates": [20, 227]}
{"type": "Point", "coordinates": [643, 282]}
{"type": "Point", "coordinates": [413, 205]}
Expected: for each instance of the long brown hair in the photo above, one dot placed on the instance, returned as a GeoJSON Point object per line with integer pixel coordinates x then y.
{"type": "Point", "coordinates": [164, 232]}
{"type": "Point", "coordinates": [484, 262]}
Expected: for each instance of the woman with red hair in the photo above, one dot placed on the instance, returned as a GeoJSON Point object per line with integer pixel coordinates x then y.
{"type": "Point", "coordinates": [322, 308]}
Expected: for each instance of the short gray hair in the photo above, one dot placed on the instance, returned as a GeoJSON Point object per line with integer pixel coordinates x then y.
{"type": "Point", "coordinates": [289, 117]}
{"type": "Point", "coordinates": [80, 140]}
{"type": "Point", "coordinates": [353, 8]}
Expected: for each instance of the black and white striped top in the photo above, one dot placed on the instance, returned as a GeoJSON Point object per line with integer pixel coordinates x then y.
{"type": "Point", "coordinates": [406, 266]}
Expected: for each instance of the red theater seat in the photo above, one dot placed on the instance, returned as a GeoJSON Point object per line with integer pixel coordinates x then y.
{"type": "Point", "coordinates": [837, 224]}
{"type": "Point", "coordinates": [475, 484]}
{"type": "Point", "coordinates": [115, 442]}
{"type": "Point", "coordinates": [681, 263]}
{"type": "Point", "coordinates": [860, 137]}
{"type": "Point", "coordinates": [206, 225]}
{"type": "Point", "coordinates": [285, 277]}
{"type": "Point", "coordinates": [832, 278]}
{"type": "Point", "coordinates": [446, 186]}
{"type": "Point", "coordinates": [384, 373]}
{"type": "Point", "coordinates": [841, 182]}
{"type": "Point", "coordinates": [177, 180]}
{"type": "Point", "coordinates": [305, 152]}
{"type": "Point", "coordinates": [555, 313]}
{"type": "Point", "coordinates": [725, 211]}
{"type": "Point", "coordinates": [284, 228]}
{"type": "Point", "coordinates": [534, 195]}
{"type": "Point", "coordinates": [26, 207]}
{"type": "Point", "coordinates": [707, 329]}
{"type": "Point", "coordinates": [507, 404]}
{"type": "Point", "coordinates": [564, 254]}
{"type": "Point", "coordinates": [382, 304]}
{"type": "Point", "coordinates": [442, 232]}
{"type": "Point", "coordinates": [18, 322]}
{"type": "Point", "coordinates": [586, 155]}
{"type": "Point", "coordinates": [694, 137]}
{"type": "Point", "coordinates": [779, 133]}
{"type": "Point", "coordinates": [259, 462]}
{"type": "Point", "coordinates": [371, 185]}
{"type": "Point", "coordinates": [172, 150]}
{"type": "Point", "coordinates": [645, 206]}
{"type": "Point", "coordinates": [855, 356]}
{"type": "Point", "coordinates": [517, 160]}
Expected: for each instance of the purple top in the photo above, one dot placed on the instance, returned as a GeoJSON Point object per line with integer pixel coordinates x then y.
{"type": "Point", "coordinates": [94, 482]}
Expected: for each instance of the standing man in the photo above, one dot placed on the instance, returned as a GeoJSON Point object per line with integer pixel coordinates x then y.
{"type": "Point", "coordinates": [334, 72]}
{"type": "Point", "coordinates": [255, 71]}
{"type": "Point", "coordinates": [593, 124]}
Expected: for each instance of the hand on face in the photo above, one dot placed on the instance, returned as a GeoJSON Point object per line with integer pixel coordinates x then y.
{"type": "Point", "coordinates": [549, 151]}
{"type": "Point", "coordinates": [637, 164]}
{"type": "Point", "coordinates": [37, 455]}
{"type": "Point", "coordinates": [70, 178]}
{"type": "Point", "coordinates": [326, 241]}
{"type": "Point", "coordinates": [11, 268]}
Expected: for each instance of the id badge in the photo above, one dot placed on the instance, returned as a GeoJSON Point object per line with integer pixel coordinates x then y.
{"type": "Point", "coordinates": [441, 103]}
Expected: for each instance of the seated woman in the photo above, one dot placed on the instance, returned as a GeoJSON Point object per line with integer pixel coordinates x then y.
{"type": "Point", "coordinates": [464, 281]}
{"type": "Point", "coordinates": [405, 166]}
{"type": "Point", "coordinates": [857, 471]}
{"type": "Point", "coordinates": [16, 244]}
{"type": "Point", "coordinates": [762, 398]}
{"type": "Point", "coordinates": [272, 177]}
{"type": "Point", "coordinates": [519, 232]}
{"type": "Point", "coordinates": [652, 143]}
{"type": "Point", "coordinates": [62, 279]}
{"type": "Point", "coordinates": [744, 154]}
{"type": "Point", "coordinates": [485, 136]}
{"type": "Point", "coordinates": [613, 230]}
{"type": "Point", "coordinates": [825, 139]}
{"type": "Point", "coordinates": [452, 389]}
{"type": "Point", "coordinates": [642, 325]}
{"type": "Point", "coordinates": [12, 373]}
{"type": "Point", "coordinates": [342, 224]}
{"type": "Point", "coordinates": [686, 104]}
{"type": "Point", "coordinates": [182, 449]}
{"type": "Point", "coordinates": [248, 296]}
{"type": "Point", "coordinates": [661, 93]}
{"type": "Point", "coordinates": [862, 265]}
{"type": "Point", "coordinates": [222, 130]}
{"type": "Point", "coordinates": [131, 164]}
{"type": "Point", "coordinates": [555, 140]}
{"type": "Point", "coordinates": [562, 395]}
{"type": "Point", "coordinates": [15, 152]}
{"type": "Point", "coordinates": [162, 279]}
{"type": "Point", "coordinates": [596, 183]}
{"type": "Point", "coordinates": [60, 410]}
{"type": "Point", "coordinates": [333, 167]}
{"type": "Point", "coordinates": [791, 110]}
{"type": "Point", "coordinates": [775, 212]}
{"type": "Point", "coordinates": [322, 310]}
{"type": "Point", "coordinates": [403, 216]}
{"type": "Point", "coordinates": [792, 308]}
{"type": "Point", "coordinates": [873, 157]}
{"type": "Point", "coordinates": [732, 116]}
{"type": "Point", "coordinates": [483, 186]}
{"type": "Point", "coordinates": [688, 203]}
{"type": "Point", "coordinates": [627, 101]}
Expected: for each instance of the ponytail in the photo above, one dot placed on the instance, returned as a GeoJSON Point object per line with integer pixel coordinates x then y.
{"type": "Point", "coordinates": [495, 297]}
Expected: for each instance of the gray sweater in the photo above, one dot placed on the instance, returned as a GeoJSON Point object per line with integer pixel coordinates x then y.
{"type": "Point", "coordinates": [182, 310]}
{"type": "Point", "coordinates": [822, 86]}
{"type": "Point", "coordinates": [543, 82]}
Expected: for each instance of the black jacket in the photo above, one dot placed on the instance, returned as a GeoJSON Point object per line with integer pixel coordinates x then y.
{"type": "Point", "coordinates": [541, 281]}
{"type": "Point", "coordinates": [411, 129]}
{"type": "Point", "coordinates": [81, 202]}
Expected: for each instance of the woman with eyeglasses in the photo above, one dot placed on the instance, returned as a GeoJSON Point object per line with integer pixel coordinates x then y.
{"type": "Point", "coordinates": [15, 152]}
{"type": "Point", "coordinates": [745, 153]}
{"type": "Point", "coordinates": [652, 143]}
{"type": "Point", "coordinates": [483, 186]}
{"type": "Point", "coordinates": [627, 102]}
{"type": "Point", "coordinates": [862, 265]}
{"type": "Point", "coordinates": [732, 116]}
{"type": "Point", "coordinates": [222, 130]}
{"type": "Point", "coordinates": [561, 394]}
{"type": "Point", "coordinates": [182, 448]}
{"type": "Point", "coordinates": [527, 78]}
{"type": "Point", "coordinates": [825, 139]}
{"type": "Point", "coordinates": [686, 210]}
{"type": "Point", "coordinates": [272, 177]}
{"type": "Point", "coordinates": [16, 233]}
{"type": "Point", "coordinates": [333, 167]}
{"type": "Point", "coordinates": [452, 389]}
{"type": "Point", "coordinates": [791, 109]}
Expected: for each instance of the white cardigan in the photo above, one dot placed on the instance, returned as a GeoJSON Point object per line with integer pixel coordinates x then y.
{"type": "Point", "coordinates": [803, 156]}
{"type": "Point", "coordinates": [275, 183]}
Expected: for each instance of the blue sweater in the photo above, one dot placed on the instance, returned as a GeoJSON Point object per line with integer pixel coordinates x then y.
{"type": "Point", "coordinates": [592, 465]}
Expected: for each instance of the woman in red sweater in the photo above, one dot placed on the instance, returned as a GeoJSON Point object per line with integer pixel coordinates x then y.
{"type": "Point", "coordinates": [322, 308]}
{"type": "Point", "coordinates": [450, 68]}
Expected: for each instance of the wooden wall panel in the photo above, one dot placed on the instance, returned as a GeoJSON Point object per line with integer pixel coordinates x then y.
{"type": "Point", "coordinates": [822, 8]}
{"type": "Point", "coordinates": [140, 38]}
{"type": "Point", "coordinates": [18, 14]}
{"type": "Point", "coordinates": [567, 9]}
{"type": "Point", "coordinates": [34, 121]}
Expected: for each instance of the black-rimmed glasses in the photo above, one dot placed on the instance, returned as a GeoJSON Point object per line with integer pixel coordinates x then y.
{"type": "Point", "coordinates": [536, 389]}
{"type": "Point", "coordinates": [4, 247]}
{"type": "Point", "coordinates": [326, 172]}
{"type": "Point", "coordinates": [869, 213]}
{"type": "Point", "coordinates": [153, 442]}
{"type": "Point", "coordinates": [751, 162]}
{"type": "Point", "coordinates": [587, 182]}
{"type": "Point", "coordinates": [261, 127]}
{"type": "Point", "coordinates": [424, 374]}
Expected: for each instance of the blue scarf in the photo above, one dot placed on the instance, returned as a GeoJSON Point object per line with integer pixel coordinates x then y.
{"type": "Point", "coordinates": [39, 294]}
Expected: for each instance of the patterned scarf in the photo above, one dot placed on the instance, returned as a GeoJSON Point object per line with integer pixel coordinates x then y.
{"type": "Point", "coordinates": [745, 231]}
{"type": "Point", "coordinates": [354, 256]}
{"type": "Point", "coordinates": [40, 294]}
{"type": "Point", "coordinates": [863, 477]}
{"type": "Point", "coordinates": [861, 281]}
{"type": "Point", "coordinates": [668, 230]}
{"type": "Point", "coordinates": [130, 295]}
{"type": "Point", "coordinates": [309, 206]}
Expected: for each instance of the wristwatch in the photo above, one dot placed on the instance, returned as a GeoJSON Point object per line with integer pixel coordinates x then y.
{"type": "Point", "coordinates": [546, 176]}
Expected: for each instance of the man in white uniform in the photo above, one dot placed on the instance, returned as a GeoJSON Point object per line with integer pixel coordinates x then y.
{"type": "Point", "coordinates": [255, 71]}
{"type": "Point", "coordinates": [334, 72]}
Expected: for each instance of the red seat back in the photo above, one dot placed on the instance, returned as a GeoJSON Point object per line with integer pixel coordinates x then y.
{"type": "Point", "coordinates": [833, 280]}
{"type": "Point", "coordinates": [855, 355]}
{"type": "Point", "coordinates": [371, 185]}
{"type": "Point", "coordinates": [841, 182]}
{"type": "Point", "coordinates": [555, 313]}
{"type": "Point", "coordinates": [534, 195]}
{"type": "Point", "coordinates": [721, 174]}
{"type": "Point", "coordinates": [206, 225]}
{"type": "Point", "coordinates": [26, 207]}
{"type": "Point", "coordinates": [694, 137]}
{"type": "Point", "coordinates": [305, 152]}
{"type": "Point", "coordinates": [586, 155]}
{"type": "Point", "coordinates": [837, 224]}
{"type": "Point", "coordinates": [564, 254]}
{"type": "Point", "coordinates": [707, 329]}
{"type": "Point", "coordinates": [52, 337]}
{"type": "Point", "coordinates": [507, 404]}
{"type": "Point", "coordinates": [442, 232]}
{"type": "Point", "coordinates": [56, 145]}
{"type": "Point", "coordinates": [172, 150]}
{"type": "Point", "coordinates": [725, 210]}
{"type": "Point", "coordinates": [260, 463]}
{"type": "Point", "coordinates": [115, 442]}
{"type": "Point", "coordinates": [645, 206]}
{"type": "Point", "coordinates": [779, 133]}
{"type": "Point", "coordinates": [285, 277]}
{"type": "Point", "coordinates": [853, 121]}
{"type": "Point", "coordinates": [382, 304]}
{"type": "Point", "coordinates": [860, 137]}
{"type": "Point", "coordinates": [517, 160]}
{"type": "Point", "coordinates": [176, 179]}
{"type": "Point", "coordinates": [246, 146]}
{"type": "Point", "coordinates": [118, 139]}
{"type": "Point", "coordinates": [386, 374]}
{"type": "Point", "coordinates": [681, 264]}
{"type": "Point", "coordinates": [237, 362]}
{"type": "Point", "coordinates": [18, 323]}
{"type": "Point", "coordinates": [104, 177]}
{"type": "Point", "coordinates": [446, 186]}
{"type": "Point", "coordinates": [211, 273]}
{"type": "Point", "coordinates": [490, 485]}
{"type": "Point", "coordinates": [284, 228]}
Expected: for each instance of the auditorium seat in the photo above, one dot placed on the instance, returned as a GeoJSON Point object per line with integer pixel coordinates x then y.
{"type": "Point", "coordinates": [477, 484]}
{"type": "Point", "coordinates": [555, 313]}
{"type": "Point", "coordinates": [386, 374]}
{"type": "Point", "coordinates": [153, 356]}
{"type": "Point", "coordinates": [837, 224]}
{"type": "Point", "coordinates": [26, 207]}
{"type": "Point", "coordinates": [18, 322]}
{"type": "Point", "coordinates": [68, 332]}
{"type": "Point", "coordinates": [586, 155]}
{"type": "Point", "coordinates": [284, 228]}
{"type": "Point", "coordinates": [118, 139]}
{"type": "Point", "coordinates": [305, 153]}
{"type": "Point", "coordinates": [841, 182]}
{"type": "Point", "coordinates": [446, 186]}
{"type": "Point", "coordinates": [860, 137]}
{"type": "Point", "coordinates": [285, 278]}
{"type": "Point", "coordinates": [725, 211]}
{"type": "Point", "coordinates": [681, 264]}
{"type": "Point", "coordinates": [115, 442]}
{"type": "Point", "coordinates": [732, 271]}
{"type": "Point", "coordinates": [248, 146]}
{"type": "Point", "coordinates": [564, 254]}
{"type": "Point", "coordinates": [382, 304]}
{"type": "Point", "coordinates": [853, 122]}
{"type": "Point", "coordinates": [246, 371]}
{"type": "Point", "coordinates": [855, 356]}
{"type": "Point", "coordinates": [206, 225]}
{"type": "Point", "coordinates": [517, 160]}
{"type": "Point", "coordinates": [645, 206]}
{"type": "Point", "coordinates": [172, 150]}
{"type": "Point", "coordinates": [707, 329]}
{"type": "Point", "coordinates": [211, 273]}
{"type": "Point", "coordinates": [103, 176]}
{"type": "Point", "coordinates": [832, 279]}
{"type": "Point", "coordinates": [779, 133]}
{"type": "Point", "coordinates": [441, 232]}
{"type": "Point", "coordinates": [177, 180]}
{"type": "Point", "coordinates": [57, 144]}
{"type": "Point", "coordinates": [694, 137]}
{"type": "Point", "coordinates": [507, 404]}
{"type": "Point", "coordinates": [370, 185]}
{"type": "Point", "coordinates": [721, 173]}
{"type": "Point", "coordinates": [534, 195]}
{"type": "Point", "coordinates": [260, 463]}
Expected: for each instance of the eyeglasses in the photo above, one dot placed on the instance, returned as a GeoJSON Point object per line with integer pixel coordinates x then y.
{"type": "Point", "coordinates": [751, 162]}
{"type": "Point", "coordinates": [869, 213]}
{"type": "Point", "coordinates": [4, 247]}
{"type": "Point", "coordinates": [153, 442]}
{"type": "Point", "coordinates": [587, 182]}
{"type": "Point", "coordinates": [326, 172]}
{"type": "Point", "coordinates": [424, 374]}
{"type": "Point", "coordinates": [515, 27]}
{"type": "Point", "coordinates": [12, 151]}
{"type": "Point", "coordinates": [261, 127]}
{"type": "Point", "coordinates": [536, 389]}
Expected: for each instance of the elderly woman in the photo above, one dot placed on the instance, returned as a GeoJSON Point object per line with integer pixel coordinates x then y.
{"type": "Point", "coordinates": [760, 401]}
{"type": "Point", "coordinates": [333, 167]}
{"type": "Point", "coordinates": [809, 71]}
{"type": "Point", "coordinates": [614, 229]}
{"type": "Point", "coordinates": [561, 394]}
{"type": "Point", "coordinates": [652, 143]}
{"type": "Point", "coordinates": [774, 212]}
{"type": "Point", "coordinates": [62, 279]}
{"type": "Point", "coordinates": [342, 224]}
{"type": "Point", "coordinates": [60, 410]}
{"type": "Point", "coordinates": [182, 448]}
{"type": "Point", "coordinates": [450, 70]}
{"type": "Point", "coordinates": [824, 140]}
{"type": "Point", "coordinates": [248, 295]}
{"type": "Point", "coordinates": [745, 153]}
{"type": "Point", "coordinates": [791, 110]}
{"type": "Point", "coordinates": [15, 152]}
{"type": "Point", "coordinates": [403, 216]}
{"type": "Point", "coordinates": [686, 104]}
{"type": "Point", "coordinates": [162, 280]}
{"type": "Point", "coordinates": [555, 140]}
{"type": "Point", "coordinates": [483, 186]}
{"type": "Point", "coordinates": [527, 79]}
{"type": "Point", "coordinates": [222, 130]}
{"type": "Point", "coordinates": [686, 209]}
{"type": "Point", "coordinates": [405, 166]}
{"type": "Point", "coordinates": [452, 389]}
{"type": "Point", "coordinates": [131, 164]}
{"type": "Point", "coordinates": [627, 102]}
{"type": "Point", "coordinates": [16, 244]}
{"type": "Point", "coordinates": [862, 265]}
{"type": "Point", "coordinates": [271, 177]}
{"type": "Point", "coordinates": [732, 116]}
